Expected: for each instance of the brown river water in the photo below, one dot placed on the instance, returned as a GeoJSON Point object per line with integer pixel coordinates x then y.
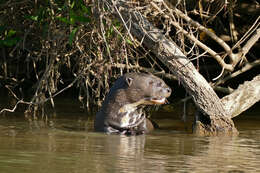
{"type": "Point", "coordinates": [65, 146]}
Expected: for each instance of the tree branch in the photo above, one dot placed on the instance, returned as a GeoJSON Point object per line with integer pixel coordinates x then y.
{"type": "Point", "coordinates": [245, 96]}
{"type": "Point", "coordinates": [250, 43]}
{"type": "Point", "coordinates": [247, 67]}
{"type": "Point", "coordinates": [214, 54]}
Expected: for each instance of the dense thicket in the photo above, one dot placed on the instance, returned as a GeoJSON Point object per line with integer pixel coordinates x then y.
{"type": "Point", "coordinates": [50, 46]}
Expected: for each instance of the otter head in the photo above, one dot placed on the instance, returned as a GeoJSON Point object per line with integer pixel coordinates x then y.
{"type": "Point", "coordinates": [146, 89]}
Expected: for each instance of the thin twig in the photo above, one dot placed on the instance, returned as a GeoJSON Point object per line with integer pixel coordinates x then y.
{"type": "Point", "coordinates": [244, 69]}
{"type": "Point", "coordinates": [14, 108]}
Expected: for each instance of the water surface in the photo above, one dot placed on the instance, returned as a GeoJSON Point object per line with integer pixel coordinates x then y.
{"type": "Point", "coordinates": [64, 146]}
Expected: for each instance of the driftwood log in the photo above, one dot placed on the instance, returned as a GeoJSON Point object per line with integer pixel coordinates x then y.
{"type": "Point", "coordinates": [213, 118]}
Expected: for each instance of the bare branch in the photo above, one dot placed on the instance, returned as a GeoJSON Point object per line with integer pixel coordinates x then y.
{"type": "Point", "coordinates": [251, 30]}
{"type": "Point", "coordinates": [199, 43]}
{"type": "Point", "coordinates": [17, 103]}
{"type": "Point", "coordinates": [247, 67]}
{"type": "Point", "coordinates": [14, 108]}
{"type": "Point", "coordinates": [242, 98]}
{"type": "Point", "coordinates": [250, 43]}
{"type": "Point", "coordinates": [202, 28]}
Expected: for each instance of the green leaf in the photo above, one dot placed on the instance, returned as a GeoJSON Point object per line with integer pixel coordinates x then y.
{"type": "Point", "coordinates": [11, 33]}
{"type": "Point", "coordinates": [129, 41]}
{"type": "Point", "coordinates": [34, 18]}
{"type": "Point", "coordinates": [72, 17]}
{"type": "Point", "coordinates": [86, 10]}
{"type": "Point", "coordinates": [82, 19]}
{"type": "Point", "coordinates": [9, 42]}
{"type": "Point", "coordinates": [72, 35]}
{"type": "Point", "coordinates": [73, 4]}
{"type": "Point", "coordinates": [64, 20]}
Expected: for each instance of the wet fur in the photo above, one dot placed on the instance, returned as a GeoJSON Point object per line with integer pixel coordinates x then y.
{"type": "Point", "coordinates": [122, 109]}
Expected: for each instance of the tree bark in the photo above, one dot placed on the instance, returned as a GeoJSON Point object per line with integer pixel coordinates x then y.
{"type": "Point", "coordinates": [214, 118]}
{"type": "Point", "coordinates": [245, 96]}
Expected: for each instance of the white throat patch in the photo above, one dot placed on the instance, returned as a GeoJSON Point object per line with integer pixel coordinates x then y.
{"type": "Point", "coordinates": [130, 119]}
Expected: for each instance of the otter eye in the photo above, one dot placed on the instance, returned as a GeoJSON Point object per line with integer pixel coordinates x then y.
{"type": "Point", "coordinates": [151, 82]}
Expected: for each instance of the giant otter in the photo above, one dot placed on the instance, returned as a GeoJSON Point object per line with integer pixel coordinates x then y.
{"type": "Point", "coordinates": [121, 111]}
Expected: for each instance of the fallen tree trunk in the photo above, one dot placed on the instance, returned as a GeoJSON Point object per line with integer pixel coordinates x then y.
{"type": "Point", "coordinates": [214, 118]}
{"type": "Point", "coordinates": [245, 96]}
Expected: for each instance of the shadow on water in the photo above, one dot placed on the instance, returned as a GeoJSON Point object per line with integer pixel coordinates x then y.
{"type": "Point", "coordinates": [66, 146]}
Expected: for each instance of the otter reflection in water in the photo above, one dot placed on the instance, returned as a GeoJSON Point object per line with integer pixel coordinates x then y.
{"type": "Point", "coordinates": [122, 109]}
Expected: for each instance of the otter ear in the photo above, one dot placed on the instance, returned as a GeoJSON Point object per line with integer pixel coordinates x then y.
{"type": "Point", "coordinates": [129, 81]}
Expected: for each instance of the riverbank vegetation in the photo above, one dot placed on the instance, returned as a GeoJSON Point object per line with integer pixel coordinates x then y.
{"type": "Point", "coordinates": [50, 47]}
